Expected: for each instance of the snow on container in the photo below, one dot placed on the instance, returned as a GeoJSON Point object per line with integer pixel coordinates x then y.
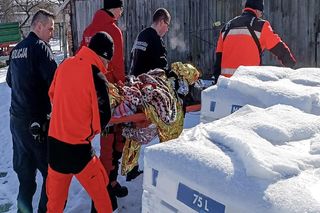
{"type": "Point", "coordinates": [255, 160]}
{"type": "Point", "coordinates": [263, 87]}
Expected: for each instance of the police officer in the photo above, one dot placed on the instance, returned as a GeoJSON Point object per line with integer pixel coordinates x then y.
{"type": "Point", "coordinates": [31, 70]}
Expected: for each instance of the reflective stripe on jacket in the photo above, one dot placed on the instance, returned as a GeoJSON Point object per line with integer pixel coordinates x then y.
{"type": "Point", "coordinates": [148, 52]}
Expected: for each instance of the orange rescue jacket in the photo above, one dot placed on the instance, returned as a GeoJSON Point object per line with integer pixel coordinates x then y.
{"type": "Point", "coordinates": [243, 39]}
{"type": "Point", "coordinates": [75, 113]}
{"type": "Point", "coordinates": [103, 21]}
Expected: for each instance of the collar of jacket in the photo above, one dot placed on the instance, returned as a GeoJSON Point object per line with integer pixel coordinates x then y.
{"type": "Point", "coordinates": [101, 18]}
{"type": "Point", "coordinates": [154, 31]}
{"type": "Point", "coordinates": [110, 14]}
{"type": "Point", "coordinates": [33, 35]}
{"type": "Point", "coordinates": [91, 57]}
{"type": "Point", "coordinates": [251, 11]}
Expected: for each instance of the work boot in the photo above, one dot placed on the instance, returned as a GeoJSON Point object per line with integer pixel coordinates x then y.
{"type": "Point", "coordinates": [113, 198]}
{"type": "Point", "coordinates": [135, 172]}
{"type": "Point", "coordinates": [118, 190]}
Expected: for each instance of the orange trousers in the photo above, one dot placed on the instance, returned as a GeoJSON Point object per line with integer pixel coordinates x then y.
{"type": "Point", "coordinates": [93, 178]}
{"type": "Point", "coordinates": [112, 142]}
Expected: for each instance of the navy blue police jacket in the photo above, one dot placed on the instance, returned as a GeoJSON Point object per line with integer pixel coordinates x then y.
{"type": "Point", "coordinates": [30, 73]}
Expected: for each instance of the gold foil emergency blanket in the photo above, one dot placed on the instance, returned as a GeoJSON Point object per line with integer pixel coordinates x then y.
{"type": "Point", "coordinates": [186, 71]}
{"type": "Point", "coordinates": [114, 97]}
{"type": "Point", "coordinates": [161, 107]}
{"type": "Point", "coordinates": [170, 131]}
{"type": "Point", "coordinates": [143, 135]}
{"type": "Point", "coordinates": [166, 132]}
{"type": "Point", "coordinates": [130, 156]}
{"type": "Point", "coordinates": [155, 92]}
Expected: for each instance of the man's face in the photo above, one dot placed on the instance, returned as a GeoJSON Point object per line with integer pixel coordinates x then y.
{"type": "Point", "coordinates": [104, 61]}
{"type": "Point", "coordinates": [117, 12]}
{"type": "Point", "coordinates": [259, 13]}
{"type": "Point", "coordinates": [164, 27]}
{"type": "Point", "coordinates": [45, 30]}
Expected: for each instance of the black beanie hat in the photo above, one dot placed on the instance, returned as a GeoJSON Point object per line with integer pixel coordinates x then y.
{"type": "Point", "coordinates": [255, 4]}
{"type": "Point", "coordinates": [102, 44]}
{"type": "Point", "coordinates": [108, 4]}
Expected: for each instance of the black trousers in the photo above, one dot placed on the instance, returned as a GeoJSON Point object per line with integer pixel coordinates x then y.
{"type": "Point", "coordinates": [28, 156]}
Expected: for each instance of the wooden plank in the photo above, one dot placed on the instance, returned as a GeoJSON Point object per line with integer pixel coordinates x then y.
{"type": "Point", "coordinates": [317, 29]}
{"type": "Point", "coordinates": [286, 22]}
{"type": "Point", "coordinates": [9, 32]}
{"type": "Point", "coordinates": [313, 31]}
{"type": "Point", "coordinates": [303, 32]}
{"type": "Point", "coordinates": [292, 28]}
{"type": "Point", "coordinates": [317, 57]}
{"type": "Point", "coordinates": [205, 47]}
{"type": "Point", "coordinates": [9, 25]}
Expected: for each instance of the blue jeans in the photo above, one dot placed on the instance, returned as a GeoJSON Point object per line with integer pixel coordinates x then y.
{"type": "Point", "coordinates": [28, 156]}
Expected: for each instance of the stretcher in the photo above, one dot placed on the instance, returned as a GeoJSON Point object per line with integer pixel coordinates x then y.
{"type": "Point", "coordinates": [140, 117]}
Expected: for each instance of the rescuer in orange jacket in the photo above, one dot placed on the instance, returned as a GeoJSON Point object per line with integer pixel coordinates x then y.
{"type": "Point", "coordinates": [244, 38]}
{"type": "Point", "coordinates": [80, 109]}
{"type": "Point", "coordinates": [112, 142]}
{"type": "Point", "coordinates": [105, 20]}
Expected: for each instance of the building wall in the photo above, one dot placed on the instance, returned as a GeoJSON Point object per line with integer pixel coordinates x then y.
{"type": "Point", "coordinates": [194, 31]}
{"type": "Point", "coordinates": [298, 23]}
{"type": "Point", "coordinates": [82, 12]}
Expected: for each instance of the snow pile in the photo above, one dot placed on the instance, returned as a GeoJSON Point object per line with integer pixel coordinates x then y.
{"type": "Point", "coordinates": [6, 171]}
{"type": "Point", "coordinates": [262, 87]}
{"type": "Point", "coordinates": [255, 160]}
{"type": "Point", "coordinates": [3, 74]}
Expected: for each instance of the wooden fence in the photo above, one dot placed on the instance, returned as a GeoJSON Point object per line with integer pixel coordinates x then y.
{"type": "Point", "coordinates": [193, 31]}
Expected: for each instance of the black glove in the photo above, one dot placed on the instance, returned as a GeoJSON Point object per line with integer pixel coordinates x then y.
{"type": "Point", "coordinates": [107, 130]}
{"type": "Point", "coordinates": [171, 74]}
{"type": "Point", "coordinates": [39, 130]}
